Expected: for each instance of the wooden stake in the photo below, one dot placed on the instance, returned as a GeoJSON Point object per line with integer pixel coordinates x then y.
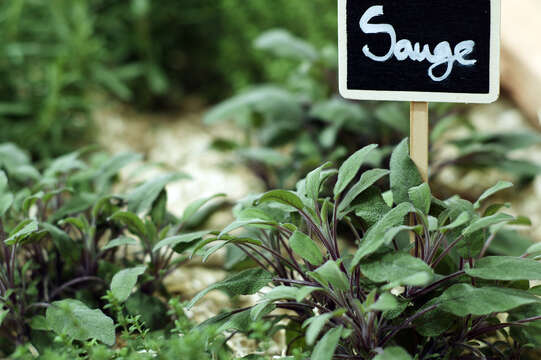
{"type": "Point", "coordinates": [419, 147]}
{"type": "Point", "coordinates": [419, 137]}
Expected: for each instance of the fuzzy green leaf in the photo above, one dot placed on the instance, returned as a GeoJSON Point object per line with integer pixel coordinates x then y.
{"type": "Point", "coordinates": [313, 182]}
{"type": "Point", "coordinates": [6, 198]}
{"type": "Point", "coordinates": [120, 241]}
{"type": "Point", "coordinates": [326, 347]}
{"type": "Point", "coordinates": [398, 269]}
{"type": "Point", "coordinates": [487, 221]}
{"type": "Point", "coordinates": [464, 299]}
{"type": "Point", "coordinates": [22, 231]}
{"type": "Point", "coordinates": [132, 221]}
{"type": "Point", "coordinates": [282, 197]}
{"type": "Point", "coordinates": [350, 168]}
{"type": "Point", "coordinates": [507, 268]}
{"type": "Point", "coordinates": [385, 302]}
{"type": "Point", "coordinates": [247, 282]}
{"type": "Point", "coordinates": [306, 248]}
{"type": "Point", "coordinates": [393, 353]}
{"type": "Point", "coordinates": [124, 281]}
{"type": "Point", "coordinates": [421, 197]}
{"type": "Point", "coordinates": [375, 237]}
{"type": "Point", "coordinates": [330, 273]}
{"type": "Point", "coordinates": [178, 239]}
{"type": "Point", "coordinates": [196, 205]}
{"type": "Point", "coordinates": [141, 199]}
{"type": "Point", "coordinates": [75, 319]}
{"type": "Point", "coordinates": [368, 178]}
{"type": "Point", "coordinates": [404, 173]}
{"type": "Point", "coordinates": [315, 325]}
{"type": "Point", "coordinates": [501, 185]}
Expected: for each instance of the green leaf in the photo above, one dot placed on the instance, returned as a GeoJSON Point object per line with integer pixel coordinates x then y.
{"type": "Point", "coordinates": [75, 319]}
{"type": "Point", "coordinates": [313, 182]}
{"type": "Point", "coordinates": [375, 237]}
{"type": "Point", "coordinates": [283, 44]}
{"type": "Point", "coordinates": [306, 248]}
{"type": "Point", "coordinates": [501, 185]}
{"type": "Point", "coordinates": [462, 219]}
{"type": "Point", "coordinates": [6, 198]}
{"type": "Point", "coordinates": [404, 173]}
{"type": "Point", "coordinates": [22, 231]}
{"type": "Point", "coordinates": [421, 197]}
{"type": "Point", "coordinates": [368, 178]}
{"type": "Point", "coordinates": [262, 309]}
{"type": "Point", "coordinates": [507, 268]}
{"type": "Point", "coordinates": [464, 299]}
{"type": "Point", "coordinates": [180, 239]}
{"type": "Point", "coordinates": [247, 282]}
{"type": "Point", "coordinates": [315, 326]}
{"type": "Point", "coordinates": [3, 314]}
{"type": "Point", "coordinates": [385, 302]}
{"type": "Point", "coordinates": [330, 273]}
{"type": "Point", "coordinates": [120, 241]}
{"type": "Point", "coordinates": [372, 207]}
{"type": "Point", "coordinates": [350, 168]}
{"type": "Point", "coordinates": [132, 221]}
{"type": "Point", "coordinates": [112, 166]}
{"type": "Point", "coordinates": [282, 197]}
{"type": "Point", "coordinates": [124, 281]}
{"type": "Point", "coordinates": [326, 347]}
{"type": "Point", "coordinates": [195, 206]}
{"type": "Point", "coordinates": [486, 222]}
{"type": "Point", "coordinates": [393, 353]}
{"type": "Point", "coordinates": [534, 249]}
{"type": "Point", "coordinates": [282, 292]}
{"type": "Point", "coordinates": [142, 197]}
{"type": "Point", "coordinates": [398, 268]}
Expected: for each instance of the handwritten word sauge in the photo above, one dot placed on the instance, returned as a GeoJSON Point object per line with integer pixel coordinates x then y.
{"type": "Point", "coordinates": [403, 49]}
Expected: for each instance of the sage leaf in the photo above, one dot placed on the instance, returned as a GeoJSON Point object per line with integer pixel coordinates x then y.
{"type": "Point", "coordinates": [501, 185]}
{"type": "Point", "coordinates": [132, 221]}
{"type": "Point", "coordinates": [79, 322]}
{"type": "Point", "coordinates": [404, 173]}
{"type": "Point", "coordinates": [350, 168]}
{"type": "Point", "coordinates": [375, 237]}
{"type": "Point", "coordinates": [464, 299]}
{"type": "Point", "coordinates": [282, 197]}
{"type": "Point", "coordinates": [506, 268]}
{"type": "Point", "coordinates": [393, 353]}
{"type": "Point", "coordinates": [421, 197]}
{"type": "Point", "coordinates": [487, 221]}
{"type": "Point", "coordinates": [142, 197]}
{"type": "Point", "coordinates": [192, 208]}
{"type": "Point", "coordinates": [325, 348]}
{"type": "Point", "coordinates": [330, 273]}
{"type": "Point", "coordinates": [247, 282]}
{"type": "Point", "coordinates": [398, 269]}
{"type": "Point", "coordinates": [124, 281]}
{"type": "Point", "coordinates": [120, 241]}
{"type": "Point", "coordinates": [306, 248]}
{"type": "Point", "coordinates": [315, 325]}
{"type": "Point", "coordinates": [368, 178]}
{"type": "Point", "coordinates": [180, 239]}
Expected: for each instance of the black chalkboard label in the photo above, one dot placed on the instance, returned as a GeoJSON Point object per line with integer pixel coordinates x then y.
{"type": "Point", "coordinates": [419, 50]}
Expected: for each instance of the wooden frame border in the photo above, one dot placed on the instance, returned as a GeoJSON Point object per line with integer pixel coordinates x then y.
{"type": "Point", "coordinates": [494, 86]}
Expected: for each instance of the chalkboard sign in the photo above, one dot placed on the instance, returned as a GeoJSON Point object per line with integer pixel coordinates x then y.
{"type": "Point", "coordinates": [419, 50]}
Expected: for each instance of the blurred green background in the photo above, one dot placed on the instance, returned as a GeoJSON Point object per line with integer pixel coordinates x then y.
{"type": "Point", "coordinates": [58, 54]}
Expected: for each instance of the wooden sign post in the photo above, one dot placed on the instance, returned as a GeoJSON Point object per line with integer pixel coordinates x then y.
{"type": "Point", "coordinates": [419, 51]}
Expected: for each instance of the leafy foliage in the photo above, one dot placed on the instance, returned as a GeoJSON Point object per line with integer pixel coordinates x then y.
{"type": "Point", "coordinates": [436, 296]}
